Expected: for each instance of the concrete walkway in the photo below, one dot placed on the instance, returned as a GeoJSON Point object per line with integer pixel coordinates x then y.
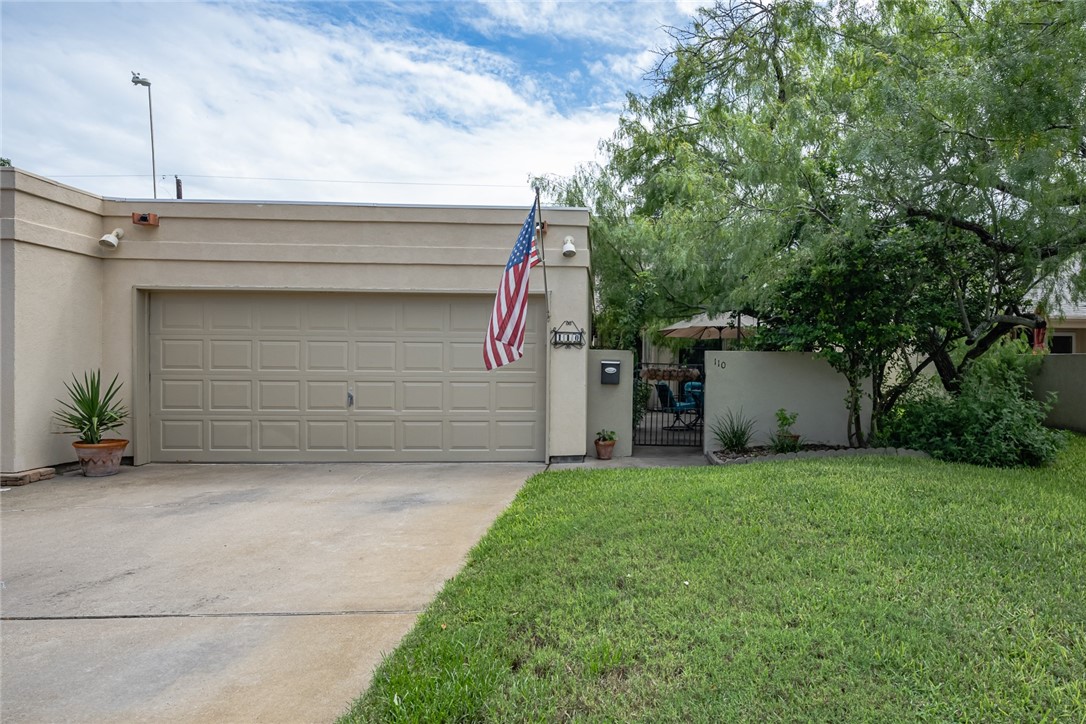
{"type": "Point", "coordinates": [643, 457]}
{"type": "Point", "coordinates": [226, 593]}
{"type": "Point", "coordinates": [232, 593]}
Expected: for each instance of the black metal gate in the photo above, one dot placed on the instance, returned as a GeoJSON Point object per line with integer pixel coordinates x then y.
{"type": "Point", "coordinates": [669, 405]}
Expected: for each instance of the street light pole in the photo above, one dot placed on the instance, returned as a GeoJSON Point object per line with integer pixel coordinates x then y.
{"type": "Point", "coordinates": [139, 80]}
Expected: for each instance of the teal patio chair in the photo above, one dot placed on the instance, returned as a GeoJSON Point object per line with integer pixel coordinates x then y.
{"type": "Point", "coordinates": [670, 405]}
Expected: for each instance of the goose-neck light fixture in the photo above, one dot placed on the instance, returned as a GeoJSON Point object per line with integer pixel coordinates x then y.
{"type": "Point", "coordinates": [111, 240]}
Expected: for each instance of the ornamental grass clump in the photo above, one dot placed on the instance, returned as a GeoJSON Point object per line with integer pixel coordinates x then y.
{"type": "Point", "coordinates": [733, 432]}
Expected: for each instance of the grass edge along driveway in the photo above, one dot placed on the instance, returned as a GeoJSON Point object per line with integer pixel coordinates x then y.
{"type": "Point", "coordinates": [849, 588]}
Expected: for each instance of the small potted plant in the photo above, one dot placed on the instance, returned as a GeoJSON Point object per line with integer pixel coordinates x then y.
{"type": "Point", "coordinates": [90, 412]}
{"type": "Point", "coordinates": [605, 444]}
{"type": "Point", "coordinates": [784, 440]}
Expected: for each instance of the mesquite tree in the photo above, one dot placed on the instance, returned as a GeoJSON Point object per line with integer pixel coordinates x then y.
{"type": "Point", "coordinates": [890, 184]}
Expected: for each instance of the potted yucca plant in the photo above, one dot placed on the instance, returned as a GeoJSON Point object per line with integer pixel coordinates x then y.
{"type": "Point", "coordinates": [91, 412]}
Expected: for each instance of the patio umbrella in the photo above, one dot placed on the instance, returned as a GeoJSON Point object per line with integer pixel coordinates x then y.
{"type": "Point", "coordinates": [726, 326]}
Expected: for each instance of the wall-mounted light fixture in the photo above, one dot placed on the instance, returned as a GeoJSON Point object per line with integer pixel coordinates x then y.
{"type": "Point", "coordinates": [111, 240]}
{"type": "Point", "coordinates": [568, 249]}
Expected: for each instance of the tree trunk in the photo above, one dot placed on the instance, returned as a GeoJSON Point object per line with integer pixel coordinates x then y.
{"type": "Point", "coordinates": [877, 377]}
{"type": "Point", "coordinates": [948, 373]}
{"type": "Point", "coordinates": [855, 418]}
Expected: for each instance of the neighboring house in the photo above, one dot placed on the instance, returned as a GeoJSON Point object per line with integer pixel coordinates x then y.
{"type": "Point", "coordinates": [282, 332]}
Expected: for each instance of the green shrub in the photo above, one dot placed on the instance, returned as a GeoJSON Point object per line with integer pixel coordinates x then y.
{"type": "Point", "coordinates": [785, 420]}
{"type": "Point", "coordinates": [784, 440]}
{"type": "Point", "coordinates": [733, 432]}
{"type": "Point", "coordinates": [993, 421]}
{"type": "Point", "coordinates": [641, 392]}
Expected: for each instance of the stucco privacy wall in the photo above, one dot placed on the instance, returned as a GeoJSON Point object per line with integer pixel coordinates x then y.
{"type": "Point", "coordinates": [760, 383]}
{"type": "Point", "coordinates": [249, 246]}
{"type": "Point", "coordinates": [1064, 374]}
{"type": "Point", "coordinates": [611, 406]}
{"type": "Point", "coordinates": [50, 310]}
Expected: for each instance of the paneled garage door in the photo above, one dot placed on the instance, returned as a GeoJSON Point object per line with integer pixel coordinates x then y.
{"type": "Point", "coordinates": [285, 377]}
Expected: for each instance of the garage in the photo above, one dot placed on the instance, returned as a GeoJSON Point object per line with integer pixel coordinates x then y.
{"type": "Point", "coordinates": [323, 377]}
{"type": "Point", "coordinates": [274, 331]}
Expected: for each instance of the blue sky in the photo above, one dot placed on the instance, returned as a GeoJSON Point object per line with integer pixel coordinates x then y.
{"type": "Point", "coordinates": [371, 102]}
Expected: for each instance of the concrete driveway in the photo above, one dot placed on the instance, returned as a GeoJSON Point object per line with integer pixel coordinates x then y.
{"type": "Point", "coordinates": [232, 593]}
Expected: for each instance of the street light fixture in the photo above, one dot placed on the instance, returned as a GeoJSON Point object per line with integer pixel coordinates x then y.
{"type": "Point", "coordinates": [137, 79]}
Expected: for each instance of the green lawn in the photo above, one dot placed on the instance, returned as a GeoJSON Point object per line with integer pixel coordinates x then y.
{"type": "Point", "coordinates": [869, 588]}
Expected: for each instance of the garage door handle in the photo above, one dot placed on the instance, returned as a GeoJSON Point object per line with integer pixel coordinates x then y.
{"type": "Point", "coordinates": [350, 399]}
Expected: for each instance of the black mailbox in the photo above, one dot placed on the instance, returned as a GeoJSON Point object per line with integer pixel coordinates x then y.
{"type": "Point", "coordinates": [609, 372]}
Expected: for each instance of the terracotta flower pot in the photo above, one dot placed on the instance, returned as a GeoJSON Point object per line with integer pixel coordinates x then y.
{"type": "Point", "coordinates": [604, 449]}
{"type": "Point", "coordinates": [98, 460]}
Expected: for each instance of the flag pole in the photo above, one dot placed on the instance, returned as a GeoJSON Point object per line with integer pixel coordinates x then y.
{"type": "Point", "coordinates": [542, 252]}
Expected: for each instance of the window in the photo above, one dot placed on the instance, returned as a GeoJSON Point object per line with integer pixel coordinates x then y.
{"type": "Point", "coordinates": [1063, 343]}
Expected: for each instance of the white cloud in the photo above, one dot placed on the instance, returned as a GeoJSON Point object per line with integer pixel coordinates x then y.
{"type": "Point", "coordinates": [622, 23]}
{"type": "Point", "coordinates": [629, 68]}
{"type": "Point", "coordinates": [270, 92]}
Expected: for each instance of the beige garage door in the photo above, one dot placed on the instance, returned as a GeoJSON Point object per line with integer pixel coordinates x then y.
{"type": "Point", "coordinates": [245, 377]}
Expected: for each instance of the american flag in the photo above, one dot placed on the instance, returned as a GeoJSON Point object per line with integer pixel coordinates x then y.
{"type": "Point", "coordinates": [505, 336]}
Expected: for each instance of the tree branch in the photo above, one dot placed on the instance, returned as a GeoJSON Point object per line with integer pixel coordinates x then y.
{"type": "Point", "coordinates": [979, 231]}
{"type": "Point", "coordinates": [961, 13]}
{"type": "Point", "coordinates": [1016, 321]}
{"type": "Point", "coordinates": [891, 396]}
{"type": "Point", "coordinates": [1075, 199]}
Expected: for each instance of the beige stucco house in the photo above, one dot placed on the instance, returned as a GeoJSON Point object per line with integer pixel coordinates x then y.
{"type": "Point", "coordinates": [1067, 330]}
{"type": "Point", "coordinates": [271, 332]}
